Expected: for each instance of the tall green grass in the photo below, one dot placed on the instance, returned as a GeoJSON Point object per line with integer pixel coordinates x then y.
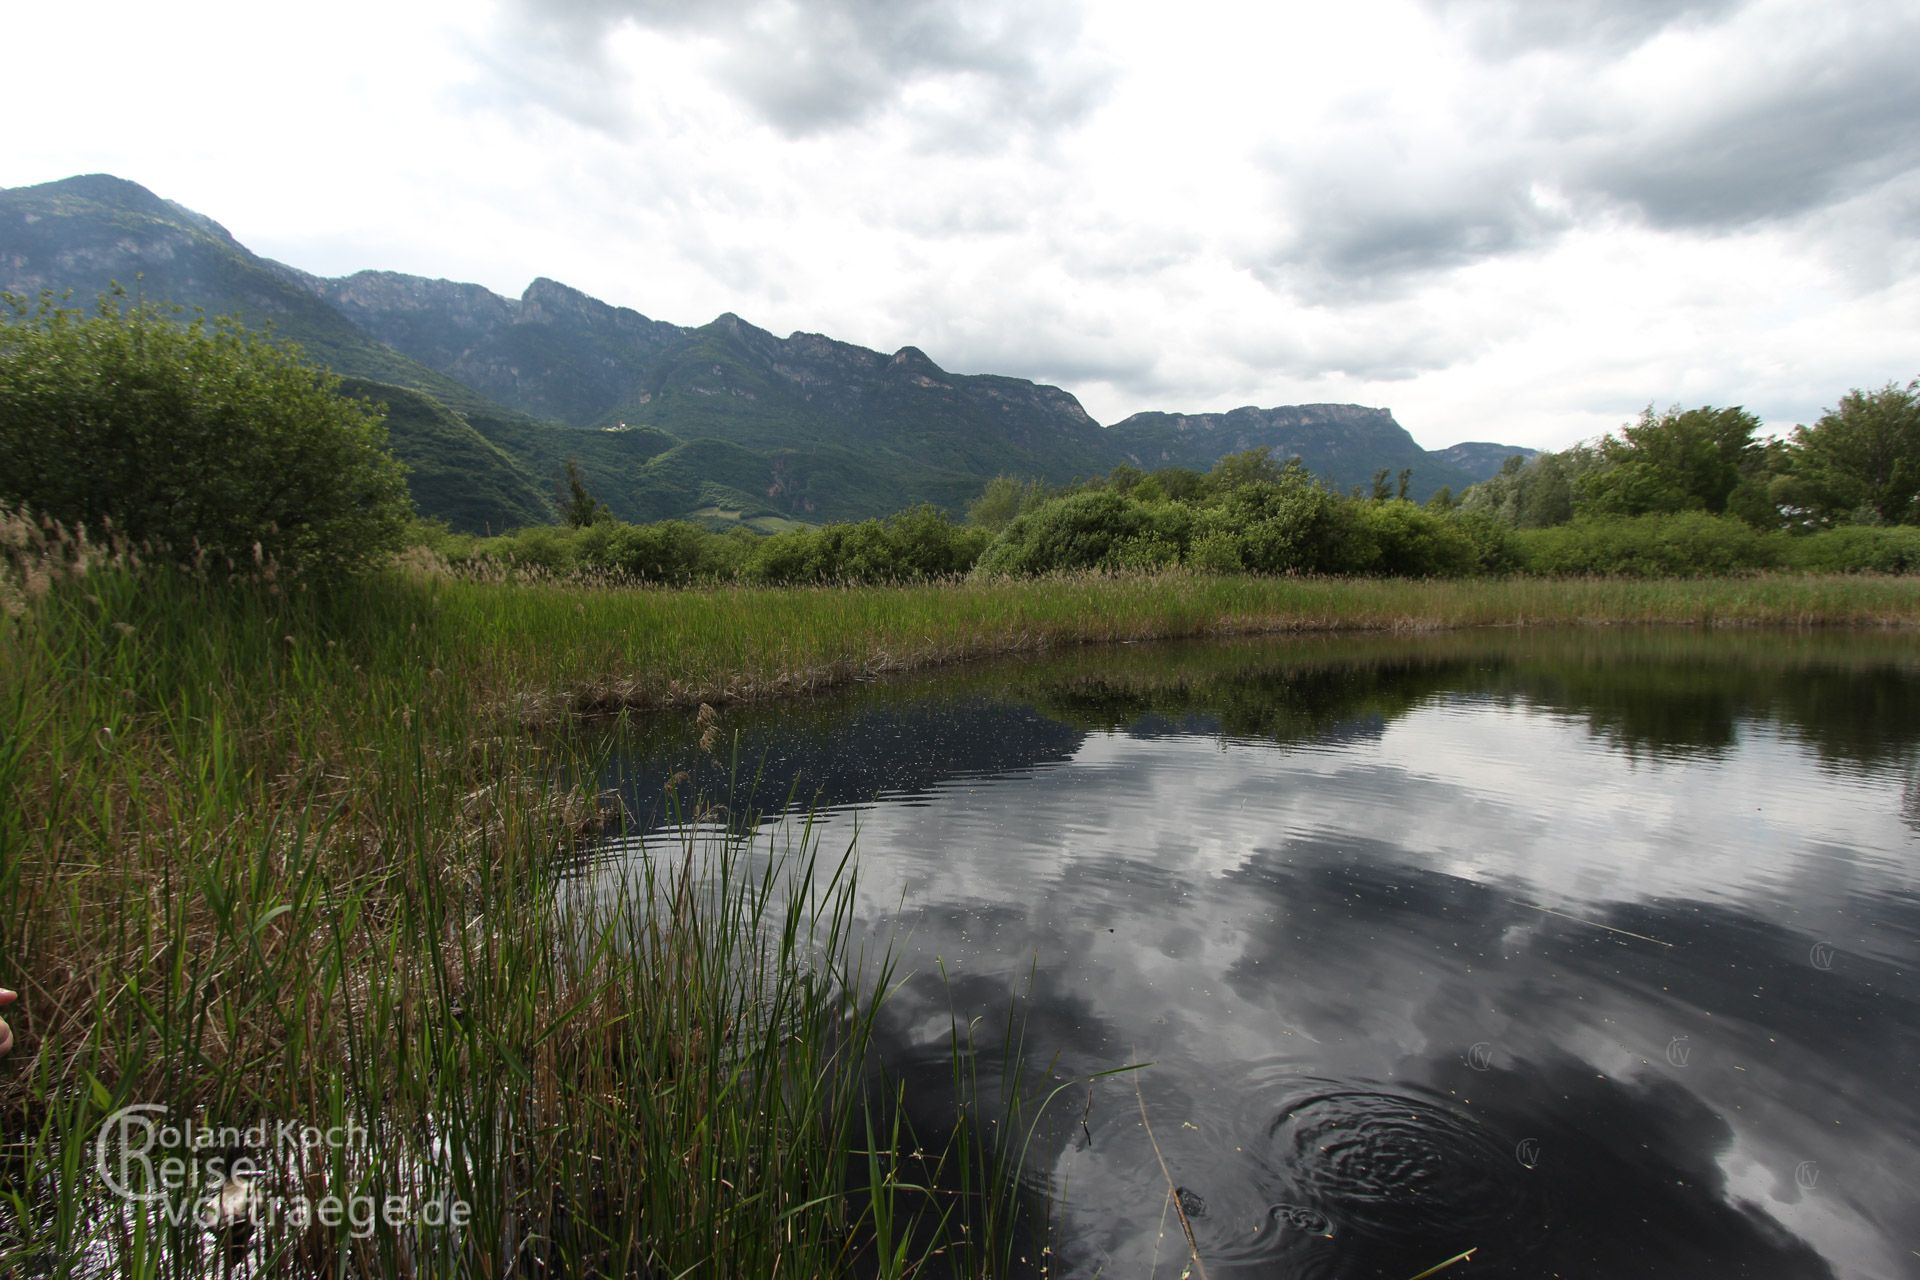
{"type": "Point", "coordinates": [586, 648]}
{"type": "Point", "coordinates": [274, 857]}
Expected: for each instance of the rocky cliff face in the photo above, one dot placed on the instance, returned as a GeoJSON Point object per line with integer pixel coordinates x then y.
{"type": "Point", "coordinates": [553, 353]}
{"type": "Point", "coordinates": [734, 381]}
{"type": "Point", "coordinates": [434, 321]}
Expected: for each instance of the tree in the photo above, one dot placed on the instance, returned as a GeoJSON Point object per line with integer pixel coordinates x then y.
{"type": "Point", "coordinates": [1546, 498]}
{"type": "Point", "coordinates": [1680, 460]}
{"type": "Point", "coordinates": [198, 437]}
{"type": "Point", "coordinates": [1124, 477]}
{"type": "Point", "coordinates": [1862, 458]}
{"type": "Point", "coordinates": [1094, 529]}
{"type": "Point", "coordinates": [1181, 484]}
{"type": "Point", "coordinates": [1003, 498]}
{"type": "Point", "coordinates": [1249, 466]}
{"type": "Point", "coordinates": [577, 506]}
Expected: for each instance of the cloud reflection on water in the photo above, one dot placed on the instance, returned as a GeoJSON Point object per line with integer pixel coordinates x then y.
{"type": "Point", "coordinates": [1355, 897]}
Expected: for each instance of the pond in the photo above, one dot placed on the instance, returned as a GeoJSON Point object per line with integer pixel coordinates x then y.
{"type": "Point", "coordinates": [1590, 951]}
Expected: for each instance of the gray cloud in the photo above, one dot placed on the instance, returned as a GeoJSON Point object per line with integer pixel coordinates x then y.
{"type": "Point", "coordinates": [1505, 28]}
{"type": "Point", "coordinates": [1788, 118]}
{"type": "Point", "coordinates": [1823, 132]}
{"type": "Point", "coordinates": [1363, 234]}
{"type": "Point", "coordinates": [816, 66]}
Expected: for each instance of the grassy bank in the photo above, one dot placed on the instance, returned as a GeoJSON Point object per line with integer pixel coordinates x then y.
{"type": "Point", "coordinates": [559, 647]}
{"type": "Point", "coordinates": [268, 855]}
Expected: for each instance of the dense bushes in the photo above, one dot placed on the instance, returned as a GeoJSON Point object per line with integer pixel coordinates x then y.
{"type": "Point", "coordinates": [1249, 515]}
{"type": "Point", "coordinates": [672, 552]}
{"type": "Point", "coordinates": [1096, 530]}
{"type": "Point", "coordinates": [910, 546]}
{"type": "Point", "coordinates": [1857, 549]}
{"type": "Point", "coordinates": [1288, 525]}
{"type": "Point", "coordinates": [1694, 545]}
{"type": "Point", "coordinates": [200, 438]}
{"type": "Point", "coordinates": [1688, 545]}
{"type": "Point", "coordinates": [1264, 527]}
{"type": "Point", "coordinates": [1249, 518]}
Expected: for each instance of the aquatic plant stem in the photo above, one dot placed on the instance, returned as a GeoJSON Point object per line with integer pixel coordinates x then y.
{"type": "Point", "coordinates": [1173, 1192]}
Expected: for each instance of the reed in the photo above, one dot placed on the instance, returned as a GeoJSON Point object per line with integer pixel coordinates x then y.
{"type": "Point", "coordinates": [271, 858]}
{"type": "Point", "coordinates": [599, 648]}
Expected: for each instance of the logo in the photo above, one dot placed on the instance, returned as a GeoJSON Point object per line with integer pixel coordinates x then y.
{"type": "Point", "coordinates": [1480, 1056]}
{"type": "Point", "coordinates": [1678, 1051]}
{"type": "Point", "coordinates": [1821, 955]}
{"type": "Point", "coordinates": [191, 1171]}
{"type": "Point", "coordinates": [1806, 1175]}
{"type": "Point", "coordinates": [123, 1152]}
{"type": "Point", "coordinates": [1527, 1152]}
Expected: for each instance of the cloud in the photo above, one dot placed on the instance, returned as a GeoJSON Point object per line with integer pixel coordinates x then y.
{"type": "Point", "coordinates": [1508, 28]}
{"type": "Point", "coordinates": [1363, 224]}
{"type": "Point", "coordinates": [1817, 122]}
{"type": "Point", "coordinates": [819, 66]}
{"type": "Point", "coordinates": [1705, 118]}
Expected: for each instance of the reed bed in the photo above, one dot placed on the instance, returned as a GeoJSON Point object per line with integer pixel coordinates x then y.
{"type": "Point", "coordinates": [603, 647]}
{"type": "Point", "coordinates": [278, 866]}
{"type": "Point", "coordinates": [277, 855]}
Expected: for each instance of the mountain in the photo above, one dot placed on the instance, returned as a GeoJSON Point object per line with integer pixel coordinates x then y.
{"type": "Point", "coordinates": [487, 397]}
{"type": "Point", "coordinates": [1480, 459]}
{"type": "Point", "coordinates": [1344, 444]}
{"type": "Point", "coordinates": [82, 234]}
{"type": "Point", "coordinates": [925, 434]}
{"type": "Point", "coordinates": [555, 353]}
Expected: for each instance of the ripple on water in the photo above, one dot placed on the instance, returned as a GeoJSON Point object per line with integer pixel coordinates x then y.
{"type": "Point", "coordinates": [1332, 1167]}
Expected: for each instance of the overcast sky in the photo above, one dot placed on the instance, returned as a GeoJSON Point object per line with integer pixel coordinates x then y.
{"type": "Point", "coordinates": [1517, 220]}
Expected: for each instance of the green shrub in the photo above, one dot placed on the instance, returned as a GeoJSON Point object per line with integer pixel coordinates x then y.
{"type": "Point", "coordinates": [1685, 545]}
{"type": "Point", "coordinates": [672, 552]}
{"type": "Point", "coordinates": [1099, 529]}
{"type": "Point", "coordinates": [926, 544]}
{"type": "Point", "coordinates": [551, 547]}
{"type": "Point", "coordinates": [1858, 549]}
{"type": "Point", "coordinates": [1293, 525]}
{"type": "Point", "coordinates": [1215, 550]}
{"type": "Point", "coordinates": [197, 438]}
{"type": "Point", "coordinates": [1411, 542]}
{"type": "Point", "coordinates": [437, 537]}
{"type": "Point", "coordinates": [1494, 551]}
{"type": "Point", "coordinates": [783, 558]}
{"type": "Point", "coordinates": [1004, 498]}
{"type": "Point", "coordinates": [909, 546]}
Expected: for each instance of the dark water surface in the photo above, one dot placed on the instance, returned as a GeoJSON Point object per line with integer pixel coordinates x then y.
{"type": "Point", "coordinates": [1592, 951]}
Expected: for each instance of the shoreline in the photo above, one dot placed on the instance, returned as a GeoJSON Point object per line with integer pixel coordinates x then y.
{"type": "Point", "coordinates": [751, 644]}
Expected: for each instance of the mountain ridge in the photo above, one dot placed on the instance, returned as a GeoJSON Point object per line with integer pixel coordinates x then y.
{"type": "Point", "coordinates": [489, 395]}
